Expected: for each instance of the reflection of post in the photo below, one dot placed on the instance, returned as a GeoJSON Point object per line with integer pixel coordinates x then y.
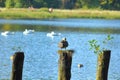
{"type": "Point", "coordinates": [65, 62]}
{"type": "Point", "coordinates": [103, 65]}
{"type": "Point", "coordinates": [17, 66]}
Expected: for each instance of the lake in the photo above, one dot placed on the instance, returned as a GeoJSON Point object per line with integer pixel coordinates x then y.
{"type": "Point", "coordinates": [41, 57]}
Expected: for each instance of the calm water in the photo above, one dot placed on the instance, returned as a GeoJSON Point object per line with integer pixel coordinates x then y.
{"type": "Point", "coordinates": [41, 58]}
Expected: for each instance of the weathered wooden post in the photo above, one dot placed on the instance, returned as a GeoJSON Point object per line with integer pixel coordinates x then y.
{"type": "Point", "coordinates": [17, 66]}
{"type": "Point", "coordinates": [103, 65]}
{"type": "Point", "coordinates": [65, 61]}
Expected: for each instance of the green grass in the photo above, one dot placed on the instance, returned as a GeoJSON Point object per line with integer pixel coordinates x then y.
{"type": "Point", "coordinates": [17, 13]}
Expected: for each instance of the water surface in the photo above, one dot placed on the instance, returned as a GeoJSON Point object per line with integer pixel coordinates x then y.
{"type": "Point", "coordinates": [41, 57]}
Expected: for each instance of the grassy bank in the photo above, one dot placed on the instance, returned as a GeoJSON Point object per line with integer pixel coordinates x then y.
{"type": "Point", "coordinates": [57, 13]}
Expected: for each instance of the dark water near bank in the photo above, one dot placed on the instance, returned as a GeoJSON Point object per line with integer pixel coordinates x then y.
{"type": "Point", "coordinates": [41, 58]}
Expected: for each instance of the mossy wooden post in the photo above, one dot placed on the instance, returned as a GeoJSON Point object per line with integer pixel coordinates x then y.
{"type": "Point", "coordinates": [65, 61]}
{"type": "Point", "coordinates": [103, 65]}
{"type": "Point", "coordinates": [17, 66]}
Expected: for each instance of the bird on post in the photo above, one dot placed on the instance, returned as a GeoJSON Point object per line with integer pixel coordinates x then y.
{"type": "Point", "coordinates": [63, 43]}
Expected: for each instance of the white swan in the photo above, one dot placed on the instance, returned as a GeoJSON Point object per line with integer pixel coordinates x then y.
{"type": "Point", "coordinates": [6, 33]}
{"type": "Point", "coordinates": [28, 31]}
{"type": "Point", "coordinates": [53, 34]}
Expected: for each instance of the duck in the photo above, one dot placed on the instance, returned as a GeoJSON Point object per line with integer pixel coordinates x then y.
{"type": "Point", "coordinates": [6, 33]}
{"type": "Point", "coordinates": [28, 31]}
{"type": "Point", "coordinates": [63, 43]}
{"type": "Point", "coordinates": [80, 65]}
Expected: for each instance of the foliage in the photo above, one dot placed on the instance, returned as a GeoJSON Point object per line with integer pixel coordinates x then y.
{"type": "Point", "coordinates": [110, 4]}
{"type": "Point", "coordinates": [38, 3]}
{"type": "Point", "coordinates": [64, 4]}
{"type": "Point", "coordinates": [9, 3]}
{"type": "Point", "coordinates": [96, 47]}
{"type": "Point", "coordinates": [87, 3]}
{"type": "Point", "coordinates": [2, 3]}
{"type": "Point", "coordinates": [18, 3]}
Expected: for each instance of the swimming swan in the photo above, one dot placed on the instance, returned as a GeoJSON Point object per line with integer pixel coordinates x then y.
{"type": "Point", "coordinates": [6, 33]}
{"type": "Point", "coordinates": [28, 31]}
{"type": "Point", "coordinates": [53, 34]}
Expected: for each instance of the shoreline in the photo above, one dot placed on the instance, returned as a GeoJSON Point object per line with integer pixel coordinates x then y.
{"type": "Point", "coordinates": [43, 13]}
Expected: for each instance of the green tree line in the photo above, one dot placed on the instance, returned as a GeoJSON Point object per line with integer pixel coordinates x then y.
{"type": "Point", "coordinates": [62, 4]}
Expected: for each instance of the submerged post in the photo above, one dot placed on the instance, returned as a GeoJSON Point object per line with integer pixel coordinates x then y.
{"type": "Point", "coordinates": [103, 65]}
{"type": "Point", "coordinates": [17, 66]}
{"type": "Point", "coordinates": [65, 61]}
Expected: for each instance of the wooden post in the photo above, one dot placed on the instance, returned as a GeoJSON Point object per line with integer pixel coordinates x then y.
{"type": "Point", "coordinates": [65, 61]}
{"type": "Point", "coordinates": [17, 66]}
{"type": "Point", "coordinates": [103, 65]}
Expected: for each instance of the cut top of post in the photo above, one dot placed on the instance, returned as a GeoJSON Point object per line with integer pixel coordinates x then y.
{"type": "Point", "coordinates": [70, 52]}
{"type": "Point", "coordinates": [107, 51]}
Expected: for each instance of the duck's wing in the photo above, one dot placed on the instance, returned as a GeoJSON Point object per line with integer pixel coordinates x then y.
{"type": "Point", "coordinates": [60, 45]}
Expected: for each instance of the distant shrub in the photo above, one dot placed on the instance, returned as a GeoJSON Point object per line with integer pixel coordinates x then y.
{"type": "Point", "coordinates": [9, 4]}
{"type": "Point", "coordinates": [18, 5]}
